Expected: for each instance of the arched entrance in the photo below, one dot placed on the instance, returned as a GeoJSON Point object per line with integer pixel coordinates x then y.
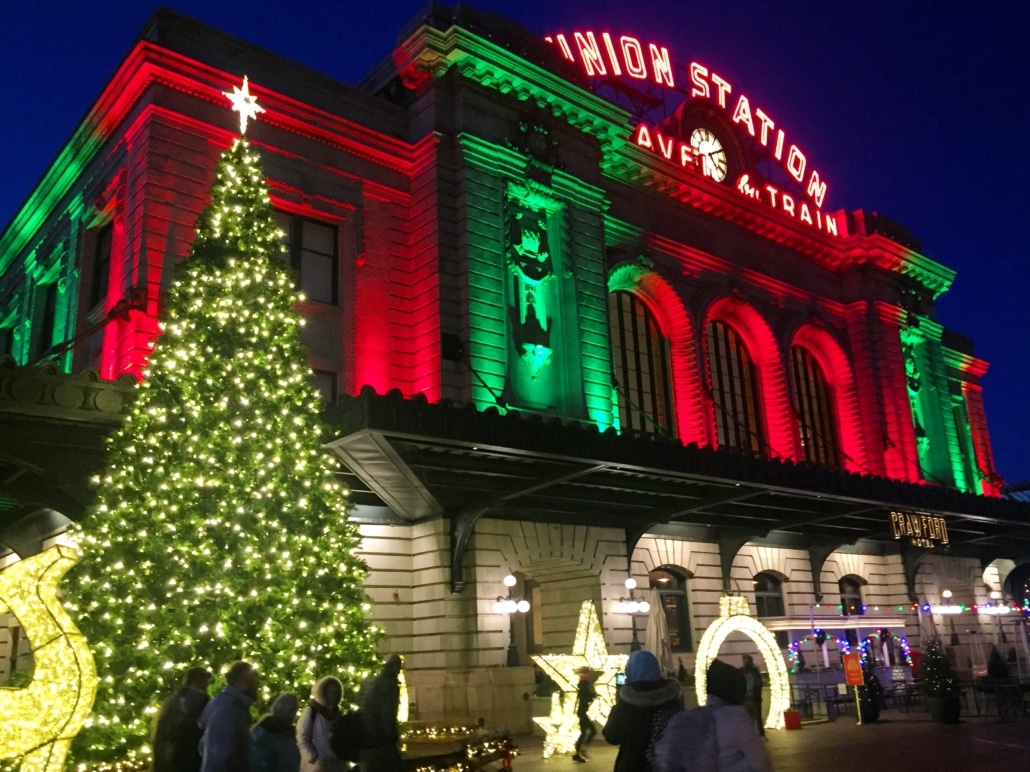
{"type": "Point", "coordinates": [734, 617]}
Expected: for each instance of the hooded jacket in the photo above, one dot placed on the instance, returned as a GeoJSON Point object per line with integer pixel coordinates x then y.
{"type": "Point", "coordinates": [314, 731]}
{"type": "Point", "coordinates": [176, 733]}
{"type": "Point", "coordinates": [635, 721]}
{"type": "Point", "coordinates": [225, 722]}
{"type": "Point", "coordinates": [720, 737]}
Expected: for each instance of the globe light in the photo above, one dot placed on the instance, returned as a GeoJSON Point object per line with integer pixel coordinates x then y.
{"type": "Point", "coordinates": [995, 595]}
{"type": "Point", "coordinates": [620, 607]}
{"type": "Point", "coordinates": [645, 607]}
{"type": "Point", "coordinates": [523, 606]}
{"type": "Point", "coordinates": [946, 594]}
{"type": "Point", "coordinates": [631, 583]}
{"type": "Point", "coordinates": [510, 581]}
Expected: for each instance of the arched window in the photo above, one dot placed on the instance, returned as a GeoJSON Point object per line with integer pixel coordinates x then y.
{"type": "Point", "coordinates": [672, 592]}
{"type": "Point", "coordinates": [738, 419]}
{"type": "Point", "coordinates": [640, 363]}
{"type": "Point", "coordinates": [851, 596]}
{"type": "Point", "coordinates": [816, 415]}
{"type": "Point", "coordinates": [768, 595]}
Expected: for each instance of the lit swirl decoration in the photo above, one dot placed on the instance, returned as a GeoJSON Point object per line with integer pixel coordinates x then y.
{"type": "Point", "coordinates": [588, 650]}
{"type": "Point", "coordinates": [735, 617]}
{"type": "Point", "coordinates": [40, 720]}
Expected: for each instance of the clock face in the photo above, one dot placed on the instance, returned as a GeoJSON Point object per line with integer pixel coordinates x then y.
{"type": "Point", "coordinates": [710, 151]}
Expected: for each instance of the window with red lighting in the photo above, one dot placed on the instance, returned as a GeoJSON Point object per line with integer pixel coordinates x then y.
{"type": "Point", "coordinates": [311, 254]}
{"type": "Point", "coordinates": [101, 265]}
{"type": "Point", "coordinates": [640, 362]}
{"type": "Point", "coordinates": [738, 417]}
{"type": "Point", "coordinates": [816, 416]}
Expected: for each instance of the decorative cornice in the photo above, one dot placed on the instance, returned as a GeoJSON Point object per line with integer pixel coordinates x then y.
{"type": "Point", "coordinates": [47, 392]}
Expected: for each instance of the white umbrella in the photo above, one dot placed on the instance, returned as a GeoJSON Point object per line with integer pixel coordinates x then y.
{"type": "Point", "coordinates": [656, 640]}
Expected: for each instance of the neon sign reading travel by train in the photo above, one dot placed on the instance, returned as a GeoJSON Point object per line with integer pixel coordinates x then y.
{"type": "Point", "coordinates": [603, 54]}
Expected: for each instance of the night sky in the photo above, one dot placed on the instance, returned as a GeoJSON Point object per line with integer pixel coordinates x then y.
{"type": "Point", "coordinates": [917, 110]}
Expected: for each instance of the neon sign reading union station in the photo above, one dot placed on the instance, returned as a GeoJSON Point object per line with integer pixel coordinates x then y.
{"type": "Point", "coordinates": [702, 135]}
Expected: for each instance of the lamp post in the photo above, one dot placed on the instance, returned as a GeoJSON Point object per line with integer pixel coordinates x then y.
{"type": "Point", "coordinates": [633, 607]}
{"type": "Point", "coordinates": [510, 606]}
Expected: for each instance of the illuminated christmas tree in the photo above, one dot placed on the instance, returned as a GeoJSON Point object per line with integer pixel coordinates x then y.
{"type": "Point", "coordinates": [220, 530]}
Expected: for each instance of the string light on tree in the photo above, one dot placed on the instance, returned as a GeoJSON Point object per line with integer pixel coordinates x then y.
{"type": "Point", "coordinates": [220, 530]}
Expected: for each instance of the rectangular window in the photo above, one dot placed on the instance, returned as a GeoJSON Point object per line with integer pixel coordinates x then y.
{"type": "Point", "coordinates": [101, 265]}
{"type": "Point", "coordinates": [6, 341]}
{"type": "Point", "coordinates": [311, 253]}
{"type": "Point", "coordinates": [325, 382]}
{"type": "Point", "coordinates": [43, 337]}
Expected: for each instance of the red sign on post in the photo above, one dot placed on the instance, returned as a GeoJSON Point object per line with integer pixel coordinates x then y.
{"type": "Point", "coordinates": [853, 670]}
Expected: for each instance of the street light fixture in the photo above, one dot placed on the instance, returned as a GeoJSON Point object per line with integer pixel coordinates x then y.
{"type": "Point", "coordinates": [510, 606]}
{"type": "Point", "coordinates": [633, 607]}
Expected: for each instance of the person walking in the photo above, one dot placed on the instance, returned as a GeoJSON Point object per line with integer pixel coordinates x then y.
{"type": "Point", "coordinates": [225, 722]}
{"type": "Point", "coordinates": [176, 733]}
{"type": "Point", "coordinates": [645, 704]}
{"type": "Point", "coordinates": [719, 737]}
{"type": "Point", "coordinates": [753, 692]}
{"type": "Point", "coordinates": [585, 696]}
{"type": "Point", "coordinates": [273, 740]}
{"type": "Point", "coordinates": [380, 698]}
{"type": "Point", "coordinates": [315, 728]}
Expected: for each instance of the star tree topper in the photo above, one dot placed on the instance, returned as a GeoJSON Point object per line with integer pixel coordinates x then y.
{"type": "Point", "coordinates": [244, 103]}
{"type": "Point", "coordinates": [588, 651]}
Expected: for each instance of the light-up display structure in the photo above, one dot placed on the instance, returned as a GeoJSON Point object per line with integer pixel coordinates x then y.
{"type": "Point", "coordinates": [40, 720]}
{"type": "Point", "coordinates": [735, 617]}
{"type": "Point", "coordinates": [588, 650]}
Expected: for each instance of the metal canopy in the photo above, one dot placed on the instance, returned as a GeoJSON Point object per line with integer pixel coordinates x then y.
{"type": "Point", "coordinates": [428, 460]}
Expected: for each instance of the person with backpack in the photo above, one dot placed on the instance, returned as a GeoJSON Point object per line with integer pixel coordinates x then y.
{"type": "Point", "coordinates": [585, 696]}
{"type": "Point", "coordinates": [719, 737]}
{"type": "Point", "coordinates": [176, 732]}
{"type": "Point", "coordinates": [273, 739]}
{"type": "Point", "coordinates": [315, 728]}
{"type": "Point", "coordinates": [645, 704]}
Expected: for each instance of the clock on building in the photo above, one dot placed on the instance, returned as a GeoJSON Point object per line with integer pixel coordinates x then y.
{"type": "Point", "coordinates": [709, 151]}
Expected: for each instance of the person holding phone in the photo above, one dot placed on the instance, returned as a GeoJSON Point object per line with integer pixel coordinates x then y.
{"type": "Point", "coordinates": [645, 704]}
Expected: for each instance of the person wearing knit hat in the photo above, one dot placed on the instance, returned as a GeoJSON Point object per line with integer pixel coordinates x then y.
{"type": "Point", "coordinates": [719, 737]}
{"type": "Point", "coordinates": [273, 740]}
{"type": "Point", "coordinates": [645, 704]}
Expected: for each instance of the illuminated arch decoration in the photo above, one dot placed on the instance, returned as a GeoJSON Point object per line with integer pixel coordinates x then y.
{"type": "Point", "coordinates": [666, 305]}
{"type": "Point", "coordinates": [735, 617]}
{"type": "Point", "coordinates": [777, 414]}
{"type": "Point", "coordinates": [795, 648]}
{"type": "Point", "coordinates": [840, 376]}
{"type": "Point", "coordinates": [588, 650]}
{"type": "Point", "coordinates": [899, 640]}
{"type": "Point", "coordinates": [41, 719]}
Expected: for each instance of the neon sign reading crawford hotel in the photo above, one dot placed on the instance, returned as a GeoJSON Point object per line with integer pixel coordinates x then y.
{"type": "Point", "coordinates": [580, 313]}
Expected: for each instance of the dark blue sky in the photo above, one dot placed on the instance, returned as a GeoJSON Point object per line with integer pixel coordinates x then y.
{"type": "Point", "coordinates": [918, 110]}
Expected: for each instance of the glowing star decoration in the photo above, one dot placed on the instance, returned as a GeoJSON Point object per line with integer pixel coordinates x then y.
{"type": "Point", "coordinates": [735, 617]}
{"type": "Point", "coordinates": [588, 650]}
{"type": "Point", "coordinates": [244, 103]}
{"type": "Point", "coordinates": [41, 719]}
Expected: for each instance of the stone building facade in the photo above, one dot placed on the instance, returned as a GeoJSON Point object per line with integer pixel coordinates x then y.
{"type": "Point", "coordinates": [548, 348]}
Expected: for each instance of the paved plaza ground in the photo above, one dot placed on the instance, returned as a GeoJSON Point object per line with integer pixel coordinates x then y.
{"type": "Point", "coordinates": [899, 742]}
